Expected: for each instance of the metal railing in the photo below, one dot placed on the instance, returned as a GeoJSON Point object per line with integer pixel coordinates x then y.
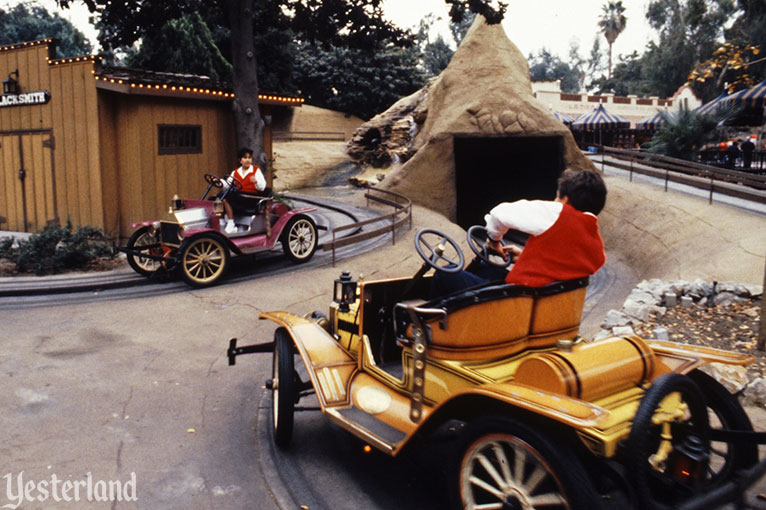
{"type": "Point", "coordinates": [726, 182]}
{"type": "Point", "coordinates": [402, 213]}
{"type": "Point", "coordinates": [327, 136]}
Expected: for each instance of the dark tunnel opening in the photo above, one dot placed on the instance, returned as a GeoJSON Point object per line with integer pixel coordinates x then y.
{"type": "Point", "coordinates": [490, 170]}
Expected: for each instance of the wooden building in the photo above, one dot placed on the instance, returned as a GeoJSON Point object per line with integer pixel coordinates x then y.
{"type": "Point", "coordinates": [102, 146]}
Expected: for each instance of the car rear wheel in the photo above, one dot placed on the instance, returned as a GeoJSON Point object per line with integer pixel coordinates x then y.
{"type": "Point", "coordinates": [283, 388]}
{"type": "Point", "coordinates": [147, 242]}
{"type": "Point", "coordinates": [666, 455]}
{"type": "Point", "coordinates": [204, 260]}
{"type": "Point", "coordinates": [299, 240]}
{"type": "Point", "coordinates": [508, 465]}
{"type": "Point", "coordinates": [727, 414]}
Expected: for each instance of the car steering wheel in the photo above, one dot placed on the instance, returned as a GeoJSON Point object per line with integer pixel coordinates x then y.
{"type": "Point", "coordinates": [477, 240]}
{"type": "Point", "coordinates": [233, 185]}
{"type": "Point", "coordinates": [432, 245]}
{"type": "Point", "coordinates": [213, 180]}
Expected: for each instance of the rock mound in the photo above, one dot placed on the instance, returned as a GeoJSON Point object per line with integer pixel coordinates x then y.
{"type": "Point", "coordinates": [484, 92]}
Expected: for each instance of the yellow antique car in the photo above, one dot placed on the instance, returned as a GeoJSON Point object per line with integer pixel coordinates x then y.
{"type": "Point", "coordinates": [539, 415]}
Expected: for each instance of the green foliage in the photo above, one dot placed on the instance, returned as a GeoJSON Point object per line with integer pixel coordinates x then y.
{"type": "Point", "coordinates": [56, 248]}
{"type": "Point", "coordinates": [627, 78]}
{"type": "Point", "coordinates": [29, 23]}
{"type": "Point", "coordinates": [547, 67]}
{"type": "Point", "coordinates": [182, 45]}
{"type": "Point", "coordinates": [689, 34]}
{"type": "Point", "coordinates": [685, 132]}
{"type": "Point", "coordinates": [750, 28]}
{"type": "Point", "coordinates": [357, 81]}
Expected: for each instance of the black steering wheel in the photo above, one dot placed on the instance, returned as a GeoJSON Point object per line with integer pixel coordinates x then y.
{"type": "Point", "coordinates": [213, 180]}
{"type": "Point", "coordinates": [477, 240]}
{"type": "Point", "coordinates": [434, 247]}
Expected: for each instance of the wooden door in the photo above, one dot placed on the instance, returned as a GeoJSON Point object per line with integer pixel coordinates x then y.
{"type": "Point", "coordinates": [27, 197]}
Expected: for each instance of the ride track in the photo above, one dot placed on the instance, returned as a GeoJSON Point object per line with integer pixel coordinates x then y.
{"type": "Point", "coordinates": [30, 292]}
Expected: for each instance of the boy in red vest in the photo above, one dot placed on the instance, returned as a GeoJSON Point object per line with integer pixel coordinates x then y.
{"type": "Point", "coordinates": [251, 181]}
{"type": "Point", "coordinates": [564, 241]}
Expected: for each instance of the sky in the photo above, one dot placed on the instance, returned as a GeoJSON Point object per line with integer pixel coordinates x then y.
{"type": "Point", "coordinates": [531, 25]}
{"type": "Point", "coordinates": [552, 24]}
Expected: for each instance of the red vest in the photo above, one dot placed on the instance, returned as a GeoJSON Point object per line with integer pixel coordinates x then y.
{"type": "Point", "coordinates": [247, 184]}
{"type": "Point", "coordinates": [571, 248]}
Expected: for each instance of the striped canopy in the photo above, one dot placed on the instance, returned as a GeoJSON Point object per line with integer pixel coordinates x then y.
{"type": "Point", "coordinates": [651, 123]}
{"type": "Point", "coordinates": [710, 107]}
{"type": "Point", "coordinates": [751, 95]}
{"type": "Point", "coordinates": [600, 119]}
{"type": "Point", "coordinates": [566, 119]}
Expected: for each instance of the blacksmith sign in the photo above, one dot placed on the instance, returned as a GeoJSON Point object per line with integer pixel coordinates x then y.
{"type": "Point", "coordinates": [27, 98]}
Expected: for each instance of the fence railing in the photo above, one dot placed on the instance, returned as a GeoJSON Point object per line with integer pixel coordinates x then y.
{"type": "Point", "coordinates": [330, 136]}
{"type": "Point", "coordinates": [716, 180]}
{"type": "Point", "coordinates": [720, 159]}
{"type": "Point", "coordinates": [402, 213]}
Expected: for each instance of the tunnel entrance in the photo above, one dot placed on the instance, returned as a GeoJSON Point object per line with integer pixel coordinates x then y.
{"type": "Point", "coordinates": [503, 169]}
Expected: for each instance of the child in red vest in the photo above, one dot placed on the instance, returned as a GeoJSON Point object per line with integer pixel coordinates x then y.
{"type": "Point", "coordinates": [250, 180]}
{"type": "Point", "coordinates": [564, 241]}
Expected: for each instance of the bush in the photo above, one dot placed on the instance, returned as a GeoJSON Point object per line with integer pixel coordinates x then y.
{"type": "Point", "coordinates": [56, 248]}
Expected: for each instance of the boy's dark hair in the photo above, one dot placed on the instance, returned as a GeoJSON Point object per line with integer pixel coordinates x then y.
{"type": "Point", "coordinates": [243, 151]}
{"type": "Point", "coordinates": [585, 189]}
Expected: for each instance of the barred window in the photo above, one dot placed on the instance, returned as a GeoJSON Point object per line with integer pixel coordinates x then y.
{"type": "Point", "coordinates": [179, 139]}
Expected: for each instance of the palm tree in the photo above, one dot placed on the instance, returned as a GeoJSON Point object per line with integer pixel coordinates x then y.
{"type": "Point", "coordinates": [684, 132]}
{"type": "Point", "coordinates": [612, 23]}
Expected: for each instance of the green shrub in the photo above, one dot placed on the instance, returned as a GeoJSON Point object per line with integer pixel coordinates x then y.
{"type": "Point", "coordinates": [56, 248]}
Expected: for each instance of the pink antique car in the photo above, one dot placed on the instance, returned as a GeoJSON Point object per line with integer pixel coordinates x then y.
{"type": "Point", "coordinates": [192, 242]}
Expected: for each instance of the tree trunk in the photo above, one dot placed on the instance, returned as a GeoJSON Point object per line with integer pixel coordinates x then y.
{"type": "Point", "coordinates": [248, 123]}
{"type": "Point", "coordinates": [609, 71]}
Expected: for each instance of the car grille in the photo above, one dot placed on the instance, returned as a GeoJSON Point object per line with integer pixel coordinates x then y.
{"type": "Point", "coordinates": [170, 233]}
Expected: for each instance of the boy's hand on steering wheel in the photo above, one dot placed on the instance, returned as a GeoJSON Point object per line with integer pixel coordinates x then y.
{"type": "Point", "coordinates": [504, 251]}
{"type": "Point", "coordinates": [497, 248]}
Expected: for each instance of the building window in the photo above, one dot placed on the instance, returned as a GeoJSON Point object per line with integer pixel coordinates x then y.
{"type": "Point", "coordinates": [179, 139]}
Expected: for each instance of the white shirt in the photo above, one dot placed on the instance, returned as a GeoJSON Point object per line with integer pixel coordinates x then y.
{"type": "Point", "coordinates": [530, 216]}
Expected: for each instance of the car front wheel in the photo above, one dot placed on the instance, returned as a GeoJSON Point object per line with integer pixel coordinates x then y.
{"type": "Point", "coordinates": [204, 260]}
{"type": "Point", "coordinates": [283, 388]}
{"type": "Point", "coordinates": [506, 464]}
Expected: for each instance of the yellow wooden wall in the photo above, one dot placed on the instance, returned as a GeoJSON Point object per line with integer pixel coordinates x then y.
{"type": "Point", "coordinates": [91, 153]}
{"type": "Point", "coordinates": [69, 119]}
{"type": "Point", "coordinates": [145, 180]}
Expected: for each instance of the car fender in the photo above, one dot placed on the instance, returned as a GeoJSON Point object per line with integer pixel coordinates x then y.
{"type": "Point", "coordinates": [317, 349]}
{"type": "Point", "coordinates": [682, 358]}
{"type": "Point", "coordinates": [282, 221]}
{"type": "Point", "coordinates": [138, 224]}
{"type": "Point", "coordinates": [192, 233]}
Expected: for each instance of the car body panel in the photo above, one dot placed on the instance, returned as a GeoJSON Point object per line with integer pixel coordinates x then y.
{"type": "Point", "coordinates": [575, 386]}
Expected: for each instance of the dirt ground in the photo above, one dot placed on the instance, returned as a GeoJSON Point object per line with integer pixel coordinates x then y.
{"type": "Point", "coordinates": [731, 328]}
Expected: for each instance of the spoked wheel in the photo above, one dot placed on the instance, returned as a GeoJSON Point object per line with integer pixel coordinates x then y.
{"type": "Point", "coordinates": [204, 260]}
{"type": "Point", "coordinates": [509, 466]}
{"type": "Point", "coordinates": [283, 388]}
{"type": "Point", "coordinates": [667, 452]}
{"type": "Point", "coordinates": [725, 413]}
{"type": "Point", "coordinates": [299, 240]}
{"type": "Point", "coordinates": [145, 241]}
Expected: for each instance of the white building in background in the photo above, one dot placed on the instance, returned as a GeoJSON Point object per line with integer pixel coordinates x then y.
{"type": "Point", "coordinates": [632, 107]}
